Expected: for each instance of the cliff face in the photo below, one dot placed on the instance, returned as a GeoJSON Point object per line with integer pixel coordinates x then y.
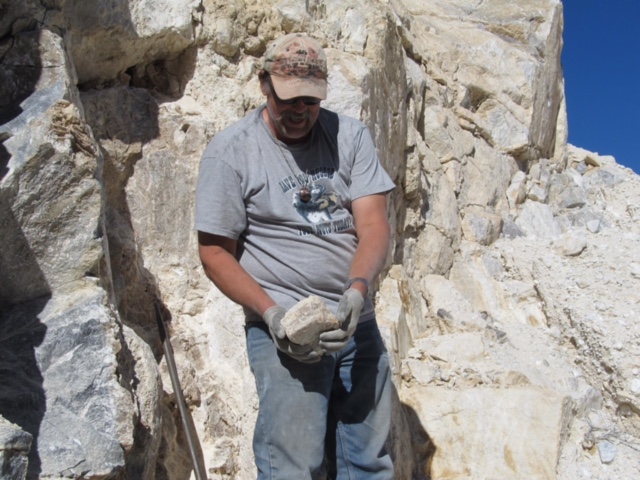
{"type": "Point", "coordinates": [509, 300]}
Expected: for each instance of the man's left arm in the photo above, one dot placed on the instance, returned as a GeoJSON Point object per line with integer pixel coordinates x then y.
{"type": "Point", "coordinates": [373, 231]}
{"type": "Point", "coordinates": [372, 228]}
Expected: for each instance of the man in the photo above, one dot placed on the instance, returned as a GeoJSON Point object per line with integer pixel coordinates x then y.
{"type": "Point", "coordinates": [291, 202]}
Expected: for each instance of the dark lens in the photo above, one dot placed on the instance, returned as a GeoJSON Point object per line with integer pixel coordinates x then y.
{"type": "Point", "coordinates": [308, 101]}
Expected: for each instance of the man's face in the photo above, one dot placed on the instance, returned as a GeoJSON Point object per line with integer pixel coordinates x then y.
{"type": "Point", "coordinates": [290, 120]}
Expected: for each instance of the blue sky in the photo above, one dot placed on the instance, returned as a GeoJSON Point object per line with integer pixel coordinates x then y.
{"type": "Point", "coordinates": [601, 62]}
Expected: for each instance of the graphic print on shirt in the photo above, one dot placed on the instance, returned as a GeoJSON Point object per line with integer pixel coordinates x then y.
{"type": "Point", "coordinates": [315, 201]}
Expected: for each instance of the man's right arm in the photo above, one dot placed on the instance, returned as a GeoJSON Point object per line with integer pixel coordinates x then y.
{"type": "Point", "coordinates": [218, 257]}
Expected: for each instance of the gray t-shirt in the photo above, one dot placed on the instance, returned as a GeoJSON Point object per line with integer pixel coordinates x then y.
{"type": "Point", "coordinates": [252, 187]}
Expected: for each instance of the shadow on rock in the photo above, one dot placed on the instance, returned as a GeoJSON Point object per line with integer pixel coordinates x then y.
{"type": "Point", "coordinates": [422, 445]}
{"type": "Point", "coordinates": [24, 292]}
{"type": "Point", "coordinates": [22, 396]}
{"type": "Point", "coordinates": [20, 69]}
{"type": "Point", "coordinates": [5, 156]}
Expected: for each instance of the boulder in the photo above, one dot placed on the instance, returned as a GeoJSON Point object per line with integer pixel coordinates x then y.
{"type": "Point", "coordinates": [491, 433]}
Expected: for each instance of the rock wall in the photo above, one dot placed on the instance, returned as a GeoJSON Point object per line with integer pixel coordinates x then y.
{"type": "Point", "coordinates": [508, 302]}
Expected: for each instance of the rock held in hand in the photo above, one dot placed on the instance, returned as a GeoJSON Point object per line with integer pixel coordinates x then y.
{"type": "Point", "coordinates": [306, 320]}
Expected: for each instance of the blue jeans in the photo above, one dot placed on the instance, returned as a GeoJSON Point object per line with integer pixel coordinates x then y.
{"type": "Point", "coordinates": [326, 418]}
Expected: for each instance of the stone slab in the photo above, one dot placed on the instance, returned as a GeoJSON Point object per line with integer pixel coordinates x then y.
{"type": "Point", "coordinates": [492, 433]}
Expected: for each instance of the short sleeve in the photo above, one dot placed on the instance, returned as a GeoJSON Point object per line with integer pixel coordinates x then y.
{"type": "Point", "coordinates": [368, 177]}
{"type": "Point", "coordinates": [220, 208]}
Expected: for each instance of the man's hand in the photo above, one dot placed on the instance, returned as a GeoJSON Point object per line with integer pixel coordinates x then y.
{"type": "Point", "coordinates": [273, 318]}
{"type": "Point", "coordinates": [348, 314]}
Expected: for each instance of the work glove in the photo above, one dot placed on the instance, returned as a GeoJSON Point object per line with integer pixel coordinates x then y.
{"type": "Point", "coordinates": [273, 318]}
{"type": "Point", "coordinates": [348, 315]}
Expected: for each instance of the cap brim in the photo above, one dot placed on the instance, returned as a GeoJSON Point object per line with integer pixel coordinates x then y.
{"type": "Point", "coordinates": [290, 87]}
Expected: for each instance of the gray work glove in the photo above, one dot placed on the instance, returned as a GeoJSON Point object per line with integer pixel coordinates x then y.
{"type": "Point", "coordinates": [273, 318]}
{"type": "Point", "coordinates": [348, 315]}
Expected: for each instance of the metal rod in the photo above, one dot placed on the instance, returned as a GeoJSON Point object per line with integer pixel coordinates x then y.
{"type": "Point", "coordinates": [195, 449]}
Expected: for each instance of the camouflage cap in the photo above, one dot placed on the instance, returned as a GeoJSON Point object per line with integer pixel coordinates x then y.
{"type": "Point", "coordinates": [298, 67]}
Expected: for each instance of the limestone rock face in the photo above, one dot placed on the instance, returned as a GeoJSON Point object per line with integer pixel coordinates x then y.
{"type": "Point", "coordinates": [62, 356]}
{"type": "Point", "coordinates": [15, 444]}
{"type": "Point", "coordinates": [136, 37]}
{"type": "Point", "coordinates": [509, 433]}
{"type": "Point", "coordinates": [507, 302]}
{"type": "Point", "coordinates": [306, 320]}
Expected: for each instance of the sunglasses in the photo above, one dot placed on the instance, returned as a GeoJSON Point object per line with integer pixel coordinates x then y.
{"type": "Point", "coordinates": [308, 101]}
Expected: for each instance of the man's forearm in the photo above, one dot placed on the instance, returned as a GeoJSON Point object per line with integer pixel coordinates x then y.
{"type": "Point", "coordinates": [224, 270]}
{"type": "Point", "coordinates": [373, 232]}
{"type": "Point", "coordinates": [369, 258]}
